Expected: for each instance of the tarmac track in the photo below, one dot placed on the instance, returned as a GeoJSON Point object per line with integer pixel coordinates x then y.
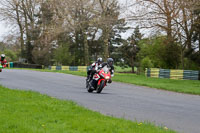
{"type": "Point", "coordinates": [180, 112]}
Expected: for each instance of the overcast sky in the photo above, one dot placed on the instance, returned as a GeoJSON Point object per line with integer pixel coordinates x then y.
{"type": "Point", "coordinates": [3, 30]}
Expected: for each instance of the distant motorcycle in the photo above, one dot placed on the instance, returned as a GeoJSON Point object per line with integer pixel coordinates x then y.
{"type": "Point", "coordinates": [99, 80]}
{"type": "Point", "coordinates": [1, 67]}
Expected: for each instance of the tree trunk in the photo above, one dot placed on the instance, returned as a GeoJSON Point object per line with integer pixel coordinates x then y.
{"type": "Point", "coordinates": [199, 43]}
{"type": "Point", "coordinates": [169, 21]}
{"type": "Point", "coordinates": [132, 65]}
{"type": "Point", "coordinates": [106, 45]}
{"type": "Point", "coordinates": [22, 40]}
{"type": "Point", "coordinates": [106, 51]}
{"type": "Point", "coordinates": [21, 31]}
{"type": "Point", "coordinates": [86, 53]}
{"type": "Point", "coordinates": [189, 43]}
{"type": "Point", "coordinates": [182, 58]}
{"type": "Point", "coordinates": [28, 40]}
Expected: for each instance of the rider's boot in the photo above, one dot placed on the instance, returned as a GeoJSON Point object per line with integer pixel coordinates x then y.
{"type": "Point", "coordinates": [88, 78]}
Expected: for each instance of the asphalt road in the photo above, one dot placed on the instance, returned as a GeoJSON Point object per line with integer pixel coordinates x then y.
{"type": "Point", "coordinates": [180, 112]}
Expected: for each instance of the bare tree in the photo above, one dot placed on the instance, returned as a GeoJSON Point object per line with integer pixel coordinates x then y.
{"type": "Point", "coordinates": [174, 17]}
{"type": "Point", "coordinates": [109, 12]}
{"type": "Point", "coordinates": [10, 10]}
{"type": "Point", "coordinates": [157, 14]}
{"type": "Point", "coordinates": [42, 22]}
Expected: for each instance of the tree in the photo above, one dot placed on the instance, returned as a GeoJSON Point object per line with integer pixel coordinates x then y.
{"type": "Point", "coordinates": [131, 48]}
{"type": "Point", "coordinates": [10, 11]}
{"type": "Point", "coordinates": [160, 54]}
{"type": "Point", "coordinates": [157, 14]}
{"type": "Point", "coordinates": [174, 17]}
{"type": "Point", "coordinates": [196, 12]}
{"type": "Point", "coordinates": [8, 49]}
{"type": "Point", "coordinates": [109, 11]}
{"type": "Point", "coordinates": [78, 26]}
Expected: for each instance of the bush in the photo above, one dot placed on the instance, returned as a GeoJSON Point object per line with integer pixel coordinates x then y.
{"type": "Point", "coordinates": [146, 63]}
{"type": "Point", "coordinates": [190, 65]}
{"type": "Point", "coordinates": [10, 55]}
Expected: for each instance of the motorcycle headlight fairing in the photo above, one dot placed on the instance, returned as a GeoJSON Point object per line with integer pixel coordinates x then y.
{"type": "Point", "coordinates": [107, 77]}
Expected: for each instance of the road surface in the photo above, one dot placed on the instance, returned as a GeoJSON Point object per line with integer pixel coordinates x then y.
{"type": "Point", "coordinates": [180, 112]}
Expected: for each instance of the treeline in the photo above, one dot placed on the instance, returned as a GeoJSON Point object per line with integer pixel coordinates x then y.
{"type": "Point", "coordinates": [179, 20]}
{"type": "Point", "coordinates": [75, 32]}
{"type": "Point", "coordinates": [65, 31]}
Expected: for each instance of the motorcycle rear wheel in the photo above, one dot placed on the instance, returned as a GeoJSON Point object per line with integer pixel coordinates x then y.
{"type": "Point", "coordinates": [89, 88]}
{"type": "Point", "coordinates": [87, 83]}
{"type": "Point", "coordinates": [101, 86]}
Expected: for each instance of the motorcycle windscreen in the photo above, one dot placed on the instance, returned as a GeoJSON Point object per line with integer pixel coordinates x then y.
{"type": "Point", "coordinates": [105, 69]}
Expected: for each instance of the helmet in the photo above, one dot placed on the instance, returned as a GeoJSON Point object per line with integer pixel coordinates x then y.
{"type": "Point", "coordinates": [99, 60]}
{"type": "Point", "coordinates": [110, 61]}
{"type": "Point", "coordinates": [3, 57]}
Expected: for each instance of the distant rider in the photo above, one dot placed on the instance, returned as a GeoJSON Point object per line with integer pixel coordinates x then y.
{"type": "Point", "coordinates": [110, 65]}
{"type": "Point", "coordinates": [3, 61]}
{"type": "Point", "coordinates": [93, 68]}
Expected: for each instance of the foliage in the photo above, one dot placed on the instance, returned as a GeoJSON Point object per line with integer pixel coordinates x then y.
{"type": "Point", "coordinates": [190, 65]}
{"type": "Point", "coordinates": [62, 55]}
{"type": "Point", "coordinates": [161, 54]}
{"type": "Point", "coordinates": [10, 55]}
{"type": "Point", "coordinates": [146, 63]}
{"type": "Point", "coordinates": [171, 56]}
{"type": "Point", "coordinates": [130, 48]}
{"type": "Point", "coordinates": [178, 21]}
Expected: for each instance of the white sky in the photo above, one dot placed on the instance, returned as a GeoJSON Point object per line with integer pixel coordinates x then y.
{"type": "Point", "coordinates": [3, 30]}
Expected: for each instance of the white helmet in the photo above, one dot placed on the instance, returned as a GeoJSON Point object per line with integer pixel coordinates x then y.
{"type": "Point", "coordinates": [99, 60]}
{"type": "Point", "coordinates": [3, 56]}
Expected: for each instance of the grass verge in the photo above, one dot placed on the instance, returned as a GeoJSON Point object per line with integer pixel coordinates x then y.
{"type": "Point", "coordinates": [181, 86]}
{"type": "Point", "coordinates": [31, 112]}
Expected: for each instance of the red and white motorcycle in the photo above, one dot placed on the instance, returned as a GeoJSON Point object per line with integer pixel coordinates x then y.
{"type": "Point", "coordinates": [2, 66]}
{"type": "Point", "coordinates": [99, 81]}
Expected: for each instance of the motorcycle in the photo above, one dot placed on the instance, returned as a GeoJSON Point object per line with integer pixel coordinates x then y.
{"type": "Point", "coordinates": [1, 67]}
{"type": "Point", "coordinates": [99, 80]}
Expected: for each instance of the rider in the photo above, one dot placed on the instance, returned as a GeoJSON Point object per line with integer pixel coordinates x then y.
{"type": "Point", "coordinates": [109, 63]}
{"type": "Point", "coordinates": [3, 61]}
{"type": "Point", "coordinates": [93, 68]}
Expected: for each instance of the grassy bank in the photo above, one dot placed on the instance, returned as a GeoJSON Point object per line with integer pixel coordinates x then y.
{"type": "Point", "coordinates": [30, 112]}
{"type": "Point", "coordinates": [182, 86]}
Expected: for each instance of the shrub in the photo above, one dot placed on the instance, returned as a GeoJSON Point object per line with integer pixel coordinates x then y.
{"type": "Point", "coordinates": [146, 63]}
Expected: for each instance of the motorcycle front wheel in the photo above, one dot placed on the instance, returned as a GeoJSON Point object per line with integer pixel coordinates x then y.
{"type": "Point", "coordinates": [101, 86]}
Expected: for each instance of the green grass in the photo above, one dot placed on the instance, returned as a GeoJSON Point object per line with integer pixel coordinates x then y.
{"type": "Point", "coordinates": [31, 112]}
{"type": "Point", "coordinates": [181, 86]}
{"type": "Point", "coordinates": [120, 69]}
